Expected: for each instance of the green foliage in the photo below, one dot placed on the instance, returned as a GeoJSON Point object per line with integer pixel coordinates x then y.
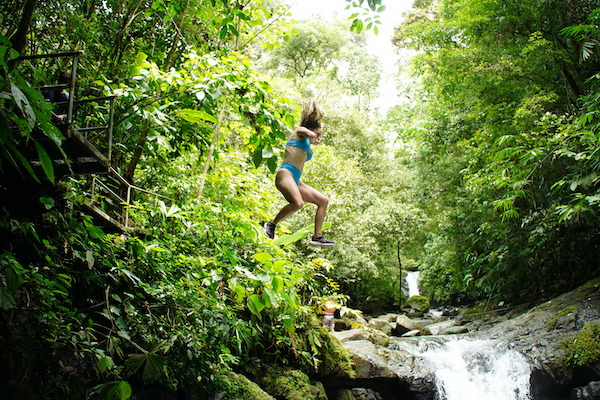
{"type": "Point", "coordinates": [367, 17]}
{"type": "Point", "coordinates": [492, 185]}
{"type": "Point", "coordinates": [25, 121]}
{"type": "Point", "coordinates": [508, 170]}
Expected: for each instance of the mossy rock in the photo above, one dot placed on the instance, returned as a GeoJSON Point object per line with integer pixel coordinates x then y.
{"type": "Point", "coordinates": [579, 349]}
{"type": "Point", "coordinates": [238, 387]}
{"type": "Point", "coordinates": [563, 318]}
{"type": "Point", "coordinates": [585, 349]}
{"type": "Point", "coordinates": [290, 384]}
{"type": "Point", "coordinates": [335, 359]}
{"type": "Point", "coordinates": [418, 303]}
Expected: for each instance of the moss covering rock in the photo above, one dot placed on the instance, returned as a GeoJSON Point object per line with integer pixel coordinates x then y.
{"type": "Point", "coordinates": [290, 384]}
{"type": "Point", "coordinates": [564, 318]}
{"type": "Point", "coordinates": [560, 336]}
{"type": "Point", "coordinates": [237, 387]}
{"type": "Point", "coordinates": [585, 349]}
{"type": "Point", "coordinates": [418, 304]}
{"type": "Point", "coordinates": [333, 359]}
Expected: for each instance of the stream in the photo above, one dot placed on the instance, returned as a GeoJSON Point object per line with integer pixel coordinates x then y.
{"type": "Point", "coordinates": [445, 367]}
{"type": "Point", "coordinates": [466, 369]}
{"type": "Point", "coordinates": [441, 355]}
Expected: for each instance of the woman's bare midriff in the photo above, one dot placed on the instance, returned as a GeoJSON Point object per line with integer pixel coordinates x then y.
{"type": "Point", "coordinates": [295, 156]}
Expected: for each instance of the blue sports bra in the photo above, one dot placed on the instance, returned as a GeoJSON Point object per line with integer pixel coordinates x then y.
{"type": "Point", "coordinates": [303, 144]}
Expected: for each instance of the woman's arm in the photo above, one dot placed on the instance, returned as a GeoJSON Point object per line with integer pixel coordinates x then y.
{"type": "Point", "coordinates": [303, 132]}
{"type": "Point", "coordinates": [313, 136]}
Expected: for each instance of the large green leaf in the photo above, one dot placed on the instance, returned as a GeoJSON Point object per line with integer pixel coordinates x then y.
{"type": "Point", "coordinates": [298, 235]}
{"type": "Point", "coordinates": [256, 304]}
{"type": "Point", "coordinates": [45, 161]}
{"type": "Point", "coordinates": [196, 116]}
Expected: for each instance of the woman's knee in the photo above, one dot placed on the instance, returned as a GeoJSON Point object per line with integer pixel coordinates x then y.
{"type": "Point", "coordinates": [323, 202]}
{"type": "Point", "coordinates": [296, 205]}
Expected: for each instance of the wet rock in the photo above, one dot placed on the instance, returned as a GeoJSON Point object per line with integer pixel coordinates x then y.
{"type": "Point", "coordinates": [455, 330]}
{"type": "Point", "coordinates": [436, 328]}
{"type": "Point", "coordinates": [374, 362]}
{"type": "Point", "coordinates": [450, 312]}
{"type": "Point", "coordinates": [389, 317]}
{"type": "Point", "coordinates": [415, 314]}
{"type": "Point", "coordinates": [404, 323]}
{"type": "Point", "coordinates": [589, 392]}
{"type": "Point", "coordinates": [546, 334]}
{"type": "Point", "coordinates": [374, 336]}
{"type": "Point", "coordinates": [415, 332]}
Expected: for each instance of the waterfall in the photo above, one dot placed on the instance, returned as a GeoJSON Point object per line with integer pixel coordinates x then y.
{"type": "Point", "coordinates": [412, 280]}
{"type": "Point", "coordinates": [469, 369]}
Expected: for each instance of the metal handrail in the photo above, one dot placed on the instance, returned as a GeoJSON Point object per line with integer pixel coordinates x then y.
{"type": "Point", "coordinates": [126, 202]}
{"type": "Point", "coordinates": [75, 54]}
{"type": "Point", "coordinates": [72, 102]}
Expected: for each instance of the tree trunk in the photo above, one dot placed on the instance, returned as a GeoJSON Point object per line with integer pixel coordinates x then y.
{"type": "Point", "coordinates": [19, 39]}
{"type": "Point", "coordinates": [137, 155]}
{"type": "Point", "coordinates": [173, 51]}
{"type": "Point", "coordinates": [215, 137]}
{"type": "Point", "coordinates": [211, 150]}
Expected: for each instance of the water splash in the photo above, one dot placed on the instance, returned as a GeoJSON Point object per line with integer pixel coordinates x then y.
{"type": "Point", "coordinates": [468, 369]}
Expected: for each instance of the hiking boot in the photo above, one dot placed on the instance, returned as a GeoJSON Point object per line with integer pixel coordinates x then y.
{"type": "Point", "coordinates": [321, 241]}
{"type": "Point", "coordinates": [269, 229]}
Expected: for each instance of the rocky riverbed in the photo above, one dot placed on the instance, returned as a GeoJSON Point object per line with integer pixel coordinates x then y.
{"type": "Point", "coordinates": [558, 341]}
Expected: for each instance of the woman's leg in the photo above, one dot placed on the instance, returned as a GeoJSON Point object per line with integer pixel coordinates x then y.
{"type": "Point", "coordinates": [311, 195]}
{"type": "Point", "coordinates": [287, 186]}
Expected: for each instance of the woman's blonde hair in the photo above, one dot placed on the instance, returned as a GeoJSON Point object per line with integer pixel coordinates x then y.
{"type": "Point", "coordinates": [311, 115]}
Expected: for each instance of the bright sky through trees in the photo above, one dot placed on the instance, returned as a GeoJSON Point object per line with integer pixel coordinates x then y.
{"type": "Point", "coordinates": [379, 45]}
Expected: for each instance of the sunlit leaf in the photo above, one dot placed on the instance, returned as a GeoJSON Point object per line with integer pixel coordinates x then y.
{"type": "Point", "coordinates": [255, 304]}
{"type": "Point", "coordinates": [196, 116]}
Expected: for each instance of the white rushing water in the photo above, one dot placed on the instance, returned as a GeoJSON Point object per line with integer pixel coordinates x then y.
{"type": "Point", "coordinates": [412, 281]}
{"type": "Point", "coordinates": [467, 369]}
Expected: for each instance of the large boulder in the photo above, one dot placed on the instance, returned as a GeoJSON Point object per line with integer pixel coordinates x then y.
{"type": "Point", "coordinates": [375, 362]}
{"type": "Point", "coordinates": [455, 330]}
{"type": "Point", "coordinates": [403, 325]}
{"type": "Point", "coordinates": [438, 327]}
{"type": "Point", "coordinates": [374, 336]}
{"type": "Point", "coordinates": [560, 337]}
{"type": "Point", "coordinates": [290, 384]}
{"type": "Point", "coordinates": [381, 324]}
{"type": "Point", "coordinates": [419, 305]}
{"type": "Point", "coordinates": [390, 317]}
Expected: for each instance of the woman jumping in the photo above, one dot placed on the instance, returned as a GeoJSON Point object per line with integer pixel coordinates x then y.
{"type": "Point", "coordinates": [287, 180]}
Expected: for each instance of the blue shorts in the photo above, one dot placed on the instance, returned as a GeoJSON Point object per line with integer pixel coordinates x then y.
{"type": "Point", "coordinates": [296, 173]}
